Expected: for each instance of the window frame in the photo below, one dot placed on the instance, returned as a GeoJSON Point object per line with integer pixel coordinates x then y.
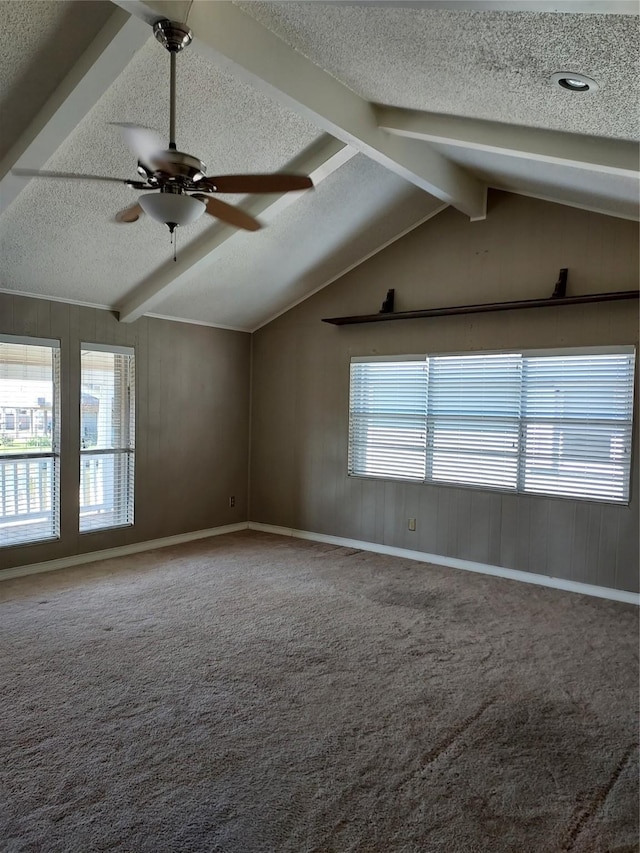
{"type": "Point", "coordinates": [54, 454]}
{"type": "Point", "coordinates": [629, 350]}
{"type": "Point", "coordinates": [125, 452]}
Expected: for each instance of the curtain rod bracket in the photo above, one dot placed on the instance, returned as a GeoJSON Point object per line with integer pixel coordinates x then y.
{"type": "Point", "coordinates": [387, 305]}
{"type": "Point", "coordinates": [561, 284]}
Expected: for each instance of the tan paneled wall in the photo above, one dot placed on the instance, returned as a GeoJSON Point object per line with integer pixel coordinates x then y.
{"type": "Point", "coordinates": [192, 422]}
{"type": "Point", "coordinates": [301, 384]}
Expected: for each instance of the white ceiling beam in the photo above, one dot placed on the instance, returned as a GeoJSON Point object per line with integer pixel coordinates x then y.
{"type": "Point", "coordinates": [598, 154]}
{"type": "Point", "coordinates": [235, 42]}
{"type": "Point", "coordinates": [88, 80]}
{"type": "Point", "coordinates": [319, 161]}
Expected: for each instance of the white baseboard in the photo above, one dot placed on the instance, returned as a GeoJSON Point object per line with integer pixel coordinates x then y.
{"type": "Point", "coordinates": [455, 563]}
{"type": "Point", "coordinates": [122, 551]}
{"type": "Point", "coordinates": [420, 556]}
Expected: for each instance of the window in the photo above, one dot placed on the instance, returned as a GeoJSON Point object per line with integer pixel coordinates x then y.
{"type": "Point", "coordinates": [107, 436]}
{"type": "Point", "coordinates": [29, 440]}
{"type": "Point", "coordinates": [554, 423]}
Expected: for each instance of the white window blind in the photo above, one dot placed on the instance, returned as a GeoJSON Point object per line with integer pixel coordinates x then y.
{"type": "Point", "coordinates": [577, 419]}
{"type": "Point", "coordinates": [388, 423]}
{"type": "Point", "coordinates": [29, 440]}
{"type": "Point", "coordinates": [555, 423]}
{"type": "Point", "coordinates": [474, 419]}
{"type": "Point", "coordinates": [107, 437]}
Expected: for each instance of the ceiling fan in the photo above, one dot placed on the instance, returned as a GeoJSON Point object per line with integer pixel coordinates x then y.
{"type": "Point", "coordinates": [180, 189]}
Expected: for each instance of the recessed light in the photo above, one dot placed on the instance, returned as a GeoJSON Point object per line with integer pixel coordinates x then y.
{"type": "Point", "coordinates": [574, 82]}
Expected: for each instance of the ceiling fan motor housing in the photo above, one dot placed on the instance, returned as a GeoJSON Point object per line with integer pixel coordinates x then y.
{"type": "Point", "coordinates": [177, 167]}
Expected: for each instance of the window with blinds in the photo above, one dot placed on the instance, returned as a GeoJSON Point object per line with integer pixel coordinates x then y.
{"type": "Point", "coordinates": [107, 436]}
{"type": "Point", "coordinates": [388, 426]}
{"type": "Point", "coordinates": [554, 423]}
{"type": "Point", "coordinates": [577, 415]}
{"type": "Point", "coordinates": [29, 440]}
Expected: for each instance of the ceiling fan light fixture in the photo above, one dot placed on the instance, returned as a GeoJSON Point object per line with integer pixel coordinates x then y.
{"type": "Point", "coordinates": [172, 208]}
{"type": "Point", "coordinates": [574, 82]}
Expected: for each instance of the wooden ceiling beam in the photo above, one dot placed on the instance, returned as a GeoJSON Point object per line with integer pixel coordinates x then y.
{"type": "Point", "coordinates": [598, 154]}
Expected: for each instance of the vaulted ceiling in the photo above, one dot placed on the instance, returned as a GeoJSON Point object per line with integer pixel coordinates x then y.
{"type": "Point", "coordinates": [396, 110]}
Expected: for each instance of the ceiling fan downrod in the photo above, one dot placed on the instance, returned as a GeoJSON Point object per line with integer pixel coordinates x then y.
{"type": "Point", "coordinates": [174, 37]}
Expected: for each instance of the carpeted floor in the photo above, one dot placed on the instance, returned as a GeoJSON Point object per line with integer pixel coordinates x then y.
{"type": "Point", "coordinates": [257, 693]}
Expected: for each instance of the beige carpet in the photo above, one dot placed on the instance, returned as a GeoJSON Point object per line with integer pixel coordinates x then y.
{"type": "Point", "coordinates": [257, 693]}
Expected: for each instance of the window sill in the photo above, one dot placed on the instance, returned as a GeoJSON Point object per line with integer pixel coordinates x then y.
{"type": "Point", "coordinates": [499, 491]}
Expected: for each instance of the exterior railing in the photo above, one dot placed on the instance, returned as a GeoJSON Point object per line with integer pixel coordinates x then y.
{"type": "Point", "coordinates": [27, 487]}
{"type": "Point", "coordinates": [96, 483]}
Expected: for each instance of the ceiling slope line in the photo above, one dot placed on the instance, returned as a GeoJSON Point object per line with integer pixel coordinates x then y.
{"type": "Point", "coordinates": [319, 160]}
{"type": "Point", "coordinates": [100, 64]}
{"type": "Point", "coordinates": [593, 153]}
{"type": "Point", "coordinates": [235, 42]}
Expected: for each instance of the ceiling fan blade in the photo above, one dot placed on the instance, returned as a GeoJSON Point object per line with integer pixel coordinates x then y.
{"type": "Point", "coordinates": [39, 173]}
{"type": "Point", "coordinates": [143, 141]}
{"type": "Point", "coordinates": [229, 214]}
{"type": "Point", "coordinates": [129, 214]}
{"type": "Point", "coordinates": [273, 183]}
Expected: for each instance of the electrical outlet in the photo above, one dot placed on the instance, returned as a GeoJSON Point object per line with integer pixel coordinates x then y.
{"type": "Point", "coordinates": [412, 524]}
{"type": "Point", "coordinates": [232, 501]}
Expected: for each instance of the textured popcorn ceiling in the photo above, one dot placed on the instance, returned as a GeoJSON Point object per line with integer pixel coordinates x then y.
{"type": "Point", "coordinates": [41, 40]}
{"type": "Point", "coordinates": [491, 65]}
